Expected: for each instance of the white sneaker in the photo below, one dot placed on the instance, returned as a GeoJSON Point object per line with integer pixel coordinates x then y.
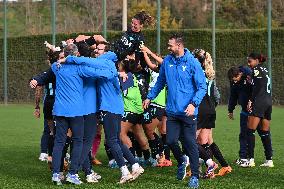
{"type": "Point", "coordinates": [137, 171]}
{"type": "Point", "coordinates": [43, 156]}
{"type": "Point", "coordinates": [126, 178]}
{"type": "Point", "coordinates": [56, 179]}
{"type": "Point", "coordinates": [267, 163]}
{"type": "Point", "coordinates": [247, 163]}
{"type": "Point", "coordinates": [96, 175]}
{"type": "Point", "coordinates": [91, 178]}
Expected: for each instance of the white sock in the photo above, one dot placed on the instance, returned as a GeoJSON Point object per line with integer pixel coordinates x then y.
{"type": "Point", "coordinates": [135, 166]}
{"type": "Point", "coordinates": [201, 161]}
{"type": "Point", "coordinates": [111, 161]}
{"type": "Point", "coordinates": [209, 162]}
{"type": "Point", "coordinates": [124, 170]}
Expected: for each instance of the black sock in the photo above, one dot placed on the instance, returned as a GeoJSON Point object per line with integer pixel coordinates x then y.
{"type": "Point", "coordinates": [159, 143]}
{"type": "Point", "coordinates": [50, 144]}
{"type": "Point", "coordinates": [218, 155]}
{"type": "Point", "coordinates": [208, 150]}
{"type": "Point", "coordinates": [64, 151]}
{"type": "Point", "coordinates": [153, 147]}
{"type": "Point", "coordinates": [146, 154]}
{"type": "Point", "coordinates": [166, 149]}
{"type": "Point", "coordinates": [90, 158]}
{"type": "Point", "coordinates": [251, 142]}
{"type": "Point", "coordinates": [202, 153]}
{"type": "Point", "coordinates": [136, 146]}
{"type": "Point", "coordinates": [266, 142]}
{"type": "Point", "coordinates": [108, 152]}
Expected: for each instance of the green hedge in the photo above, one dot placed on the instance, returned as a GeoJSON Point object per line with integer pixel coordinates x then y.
{"type": "Point", "coordinates": [26, 56]}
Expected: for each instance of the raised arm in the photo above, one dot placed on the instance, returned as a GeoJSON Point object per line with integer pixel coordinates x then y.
{"type": "Point", "coordinates": [97, 63]}
{"type": "Point", "coordinates": [146, 51]}
{"type": "Point", "coordinates": [160, 84]}
{"type": "Point", "coordinates": [42, 78]}
{"type": "Point", "coordinates": [86, 71]}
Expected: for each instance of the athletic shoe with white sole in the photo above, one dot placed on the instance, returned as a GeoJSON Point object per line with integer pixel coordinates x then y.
{"type": "Point", "coordinates": [181, 172]}
{"type": "Point", "coordinates": [96, 175]}
{"type": "Point", "coordinates": [73, 179]}
{"type": "Point", "coordinates": [136, 172]}
{"type": "Point", "coordinates": [43, 156]}
{"type": "Point", "coordinates": [193, 182]}
{"type": "Point", "coordinates": [248, 163]}
{"type": "Point", "coordinates": [56, 179]}
{"type": "Point", "coordinates": [91, 178]}
{"type": "Point", "coordinates": [210, 170]}
{"type": "Point", "coordinates": [267, 163]}
{"type": "Point", "coordinates": [125, 178]}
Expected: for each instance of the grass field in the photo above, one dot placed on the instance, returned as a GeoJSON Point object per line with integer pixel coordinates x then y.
{"type": "Point", "coordinates": [20, 167]}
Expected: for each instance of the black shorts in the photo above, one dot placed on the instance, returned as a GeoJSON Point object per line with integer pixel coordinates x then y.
{"type": "Point", "coordinates": [148, 115]}
{"type": "Point", "coordinates": [262, 111]}
{"type": "Point", "coordinates": [158, 112]}
{"type": "Point", "coordinates": [48, 107]}
{"type": "Point", "coordinates": [206, 121]}
{"type": "Point", "coordinates": [133, 118]}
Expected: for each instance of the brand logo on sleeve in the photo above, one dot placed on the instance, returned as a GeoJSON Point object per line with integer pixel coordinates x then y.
{"type": "Point", "coordinates": [183, 68]}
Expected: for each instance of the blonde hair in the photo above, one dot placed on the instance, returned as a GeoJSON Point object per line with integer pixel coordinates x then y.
{"type": "Point", "coordinates": [206, 62]}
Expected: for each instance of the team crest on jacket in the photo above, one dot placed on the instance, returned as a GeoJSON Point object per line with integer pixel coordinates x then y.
{"type": "Point", "coordinates": [256, 72]}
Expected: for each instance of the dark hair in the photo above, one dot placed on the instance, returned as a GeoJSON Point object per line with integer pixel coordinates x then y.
{"type": "Point", "coordinates": [129, 65]}
{"type": "Point", "coordinates": [178, 37]}
{"type": "Point", "coordinates": [197, 53]}
{"type": "Point", "coordinates": [260, 57]}
{"type": "Point", "coordinates": [52, 56]}
{"type": "Point", "coordinates": [144, 18]}
{"type": "Point", "coordinates": [84, 49]}
{"type": "Point", "coordinates": [233, 72]}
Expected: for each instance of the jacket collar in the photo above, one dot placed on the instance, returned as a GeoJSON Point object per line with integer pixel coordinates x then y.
{"type": "Point", "coordinates": [184, 58]}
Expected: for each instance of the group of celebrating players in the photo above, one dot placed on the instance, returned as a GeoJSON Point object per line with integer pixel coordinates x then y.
{"type": "Point", "coordinates": [133, 93]}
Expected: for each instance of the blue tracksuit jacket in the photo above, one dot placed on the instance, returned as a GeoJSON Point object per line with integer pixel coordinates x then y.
{"type": "Point", "coordinates": [185, 80]}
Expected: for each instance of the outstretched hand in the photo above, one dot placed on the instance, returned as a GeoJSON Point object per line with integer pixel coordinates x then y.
{"type": "Point", "coordinates": [145, 49]}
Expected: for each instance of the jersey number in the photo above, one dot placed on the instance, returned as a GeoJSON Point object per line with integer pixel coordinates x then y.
{"type": "Point", "coordinates": [268, 84]}
{"type": "Point", "coordinates": [209, 86]}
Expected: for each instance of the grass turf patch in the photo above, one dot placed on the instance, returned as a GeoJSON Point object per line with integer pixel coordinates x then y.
{"type": "Point", "coordinates": [20, 167]}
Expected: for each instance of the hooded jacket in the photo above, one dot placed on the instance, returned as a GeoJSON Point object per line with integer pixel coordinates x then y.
{"type": "Point", "coordinates": [185, 80]}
